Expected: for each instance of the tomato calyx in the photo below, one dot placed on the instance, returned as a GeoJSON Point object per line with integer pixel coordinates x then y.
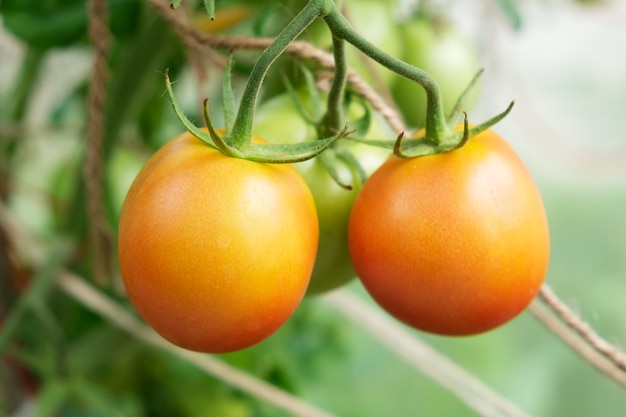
{"type": "Point", "coordinates": [424, 142]}
{"type": "Point", "coordinates": [420, 144]}
{"type": "Point", "coordinates": [257, 152]}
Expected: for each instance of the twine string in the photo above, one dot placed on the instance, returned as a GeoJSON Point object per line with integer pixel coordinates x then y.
{"type": "Point", "coordinates": [100, 234]}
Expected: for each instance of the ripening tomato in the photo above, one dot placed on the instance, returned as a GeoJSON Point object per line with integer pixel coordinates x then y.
{"type": "Point", "coordinates": [455, 243]}
{"type": "Point", "coordinates": [216, 252]}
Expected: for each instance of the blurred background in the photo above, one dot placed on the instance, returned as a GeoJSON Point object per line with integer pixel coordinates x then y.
{"type": "Point", "coordinates": [562, 61]}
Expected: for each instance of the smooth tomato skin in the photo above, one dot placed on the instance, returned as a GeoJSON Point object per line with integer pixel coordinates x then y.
{"type": "Point", "coordinates": [216, 252]}
{"type": "Point", "coordinates": [455, 243]}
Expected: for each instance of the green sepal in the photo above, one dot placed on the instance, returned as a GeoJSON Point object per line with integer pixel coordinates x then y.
{"type": "Point", "coordinates": [315, 113]}
{"type": "Point", "coordinates": [274, 153]}
{"type": "Point", "coordinates": [422, 145]}
{"type": "Point", "coordinates": [379, 143]}
{"type": "Point", "coordinates": [192, 128]}
{"type": "Point", "coordinates": [487, 124]}
{"type": "Point", "coordinates": [218, 140]}
{"type": "Point", "coordinates": [327, 159]}
{"type": "Point", "coordinates": [174, 4]}
{"type": "Point", "coordinates": [352, 162]}
{"type": "Point", "coordinates": [419, 146]}
{"type": "Point", "coordinates": [457, 110]}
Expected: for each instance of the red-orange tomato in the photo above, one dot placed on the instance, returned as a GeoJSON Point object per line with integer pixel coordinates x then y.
{"type": "Point", "coordinates": [216, 252]}
{"type": "Point", "coordinates": [455, 243]}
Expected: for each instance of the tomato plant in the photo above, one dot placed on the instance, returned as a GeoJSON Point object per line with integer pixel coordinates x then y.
{"type": "Point", "coordinates": [439, 49]}
{"type": "Point", "coordinates": [455, 243]}
{"type": "Point", "coordinates": [216, 252]}
{"type": "Point", "coordinates": [279, 121]}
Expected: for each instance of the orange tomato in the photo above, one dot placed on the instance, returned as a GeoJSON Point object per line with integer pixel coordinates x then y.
{"type": "Point", "coordinates": [216, 252]}
{"type": "Point", "coordinates": [455, 243]}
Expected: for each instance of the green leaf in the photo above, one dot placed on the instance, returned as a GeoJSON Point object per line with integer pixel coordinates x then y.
{"type": "Point", "coordinates": [455, 114]}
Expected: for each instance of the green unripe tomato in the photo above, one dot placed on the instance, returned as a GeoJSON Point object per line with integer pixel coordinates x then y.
{"type": "Point", "coordinates": [279, 121]}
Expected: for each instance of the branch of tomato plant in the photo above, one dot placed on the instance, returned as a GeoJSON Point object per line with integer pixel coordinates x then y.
{"type": "Point", "coordinates": [237, 142]}
{"type": "Point", "coordinates": [333, 118]}
{"type": "Point", "coordinates": [440, 135]}
{"type": "Point", "coordinates": [203, 42]}
{"type": "Point", "coordinates": [242, 129]}
{"type": "Point", "coordinates": [435, 119]}
{"type": "Point", "coordinates": [257, 152]}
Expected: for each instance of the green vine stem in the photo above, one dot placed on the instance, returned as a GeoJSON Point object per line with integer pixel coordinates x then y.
{"type": "Point", "coordinates": [439, 134]}
{"type": "Point", "coordinates": [436, 128]}
{"type": "Point", "coordinates": [241, 134]}
{"type": "Point", "coordinates": [258, 152]}
{"type": "Point", "coordinates": [333, 117]}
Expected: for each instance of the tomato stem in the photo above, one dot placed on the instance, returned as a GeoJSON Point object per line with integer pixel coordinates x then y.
{"type": "Point", "coordinates": [241, 135]}
{"type": "Point", "coordinates": [436, 128]}
{"type": "Point", "coordinates": [333, 118]}
{"type": "Point", "coordinates": [440, 135]}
